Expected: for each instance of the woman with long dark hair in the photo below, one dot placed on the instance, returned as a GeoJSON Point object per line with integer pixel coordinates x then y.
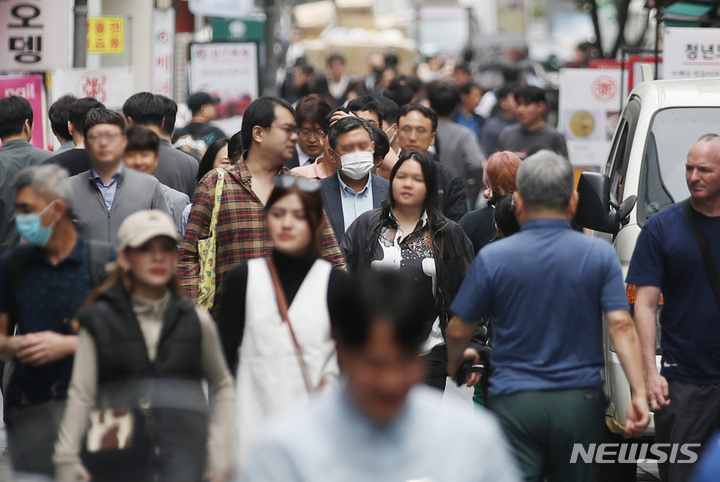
{"type": "Point", "coordinates": [143, 352]}
{"type": "Point", "coordinates": [273, 320]}
{"type": "Point", "coordinates": [409, 233]}
{"type": "Point", "coordinates": [215, 157]}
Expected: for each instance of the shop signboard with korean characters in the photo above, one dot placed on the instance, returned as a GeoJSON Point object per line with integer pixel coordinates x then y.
{"type": "Point", "coordinates": [230, 72]}
{"type": "Point", "coordinates": [35, 35]}
{"type": "Point", "coordinates": [110, 85]}
{"type": "Point", "coordinates": [163, 52]}
{"type": "Point", "coordinates": [589, 112]}
{"type": "Point", "coordinates": [691, 53]}
{"type": "Point", "coordinates": [31, 88]}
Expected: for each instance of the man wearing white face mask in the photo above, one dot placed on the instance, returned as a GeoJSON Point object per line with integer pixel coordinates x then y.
{"type": "Point", "coordinates": [354, 189]}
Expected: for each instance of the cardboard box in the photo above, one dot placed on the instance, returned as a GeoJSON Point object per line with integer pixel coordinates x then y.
{"type": "Point", "coordinates": [357, 51]}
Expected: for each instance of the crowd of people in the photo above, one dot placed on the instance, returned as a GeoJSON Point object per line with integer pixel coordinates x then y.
{"type": "Point", "coordinates": [289, 303]}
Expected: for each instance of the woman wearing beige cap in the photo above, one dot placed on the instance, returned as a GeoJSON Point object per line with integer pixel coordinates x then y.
{"type": "Point", "coordinates": [143, 351]}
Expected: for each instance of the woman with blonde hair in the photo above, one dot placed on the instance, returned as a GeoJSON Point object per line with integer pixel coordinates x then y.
{"type": "Point", "coordinates": [499, 179]}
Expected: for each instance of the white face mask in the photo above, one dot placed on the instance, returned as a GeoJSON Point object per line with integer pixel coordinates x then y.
{"type": "Point", "coordinates": [357, 165]}
{"type": "Point", "coordinates": [392, 139]}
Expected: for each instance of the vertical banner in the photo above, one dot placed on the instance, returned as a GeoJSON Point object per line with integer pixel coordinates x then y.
{"type": "Point", "coordinates": [228, 71]}
{"type": "Point", "coordinates": [110, 85]}
{"type": "Point", "coordinates": [32, 88]}
{"type": "Point", "coordinates": [589, 113]}
{"type": "Point", "coordinates": [690, 53]}
{"type": "Point", "coordinates": [163, 52]}
{"type": "Point", "coordinates": [34, 35]}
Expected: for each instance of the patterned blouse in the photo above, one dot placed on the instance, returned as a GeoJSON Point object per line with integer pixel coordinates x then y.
{"type": "Point", "coordinates": [414, 255]}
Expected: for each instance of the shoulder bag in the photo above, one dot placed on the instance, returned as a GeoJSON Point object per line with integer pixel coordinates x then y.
{"type": "Point", "coordinates": [282, 304]}
{"type": "Point", "coordinates": [207, 251]}
{"type": "Point", "coordinates": [708, 261]}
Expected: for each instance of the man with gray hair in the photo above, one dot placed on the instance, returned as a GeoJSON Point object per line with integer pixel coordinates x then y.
{"type": "Point", "coordinates": [545, 289]}
{"type": "Point", "coordinates": [42, 284]}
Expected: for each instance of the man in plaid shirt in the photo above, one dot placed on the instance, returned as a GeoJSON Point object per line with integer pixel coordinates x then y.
{"type": "Point", "coordinates": [269, 131]}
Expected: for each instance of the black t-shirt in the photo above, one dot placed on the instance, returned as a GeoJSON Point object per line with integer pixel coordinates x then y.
{"type": "Point", "coordinates": [479, 225]}
{"type": "Point", "coordinates": [197, 130]}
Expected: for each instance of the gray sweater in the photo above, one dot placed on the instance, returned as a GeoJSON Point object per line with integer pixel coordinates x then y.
{"type": "Point", "coordinates": [14, 157]}
{"type": "Point", "coordinates": [135, 191]}
{"type": "Point", "coordinates": [176, 169]}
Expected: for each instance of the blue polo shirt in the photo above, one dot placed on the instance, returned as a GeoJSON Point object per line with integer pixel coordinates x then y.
{"type": "Point", "coordinates": [47, 298]}
{"type": "Point", "coordinates": [544, 289]}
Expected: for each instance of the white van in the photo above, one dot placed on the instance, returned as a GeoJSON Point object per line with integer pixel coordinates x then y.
{"type": "Point", "coordinates": [644, 173]}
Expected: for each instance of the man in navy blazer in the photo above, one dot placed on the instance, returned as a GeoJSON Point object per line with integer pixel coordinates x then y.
{"type": "Point", "coordinates": [353, 190]}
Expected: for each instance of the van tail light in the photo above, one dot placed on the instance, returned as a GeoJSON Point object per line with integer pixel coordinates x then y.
{"type": "Point", "coordinates": [631, 293]}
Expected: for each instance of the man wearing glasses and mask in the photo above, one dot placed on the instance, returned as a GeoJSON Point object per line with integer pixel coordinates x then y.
{"type": "Point", "coordinates": [353, 190]}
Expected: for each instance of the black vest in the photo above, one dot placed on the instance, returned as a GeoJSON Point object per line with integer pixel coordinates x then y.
{"type": "Point", "coordinates": [121, 349]}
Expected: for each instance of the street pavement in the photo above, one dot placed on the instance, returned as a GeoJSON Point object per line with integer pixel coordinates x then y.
{"type": "Point", "coordinates": [4, 458]}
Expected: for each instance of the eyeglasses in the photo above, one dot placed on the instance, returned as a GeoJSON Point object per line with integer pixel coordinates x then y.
{"type": "Point", "coordinates": [96, 138]}
{"type": "Point", "coordinates": [284, 181]}
{"type": "Point", "coordinates": [308, 133]}
{"type": "Point", "coordinates": [289, 130]}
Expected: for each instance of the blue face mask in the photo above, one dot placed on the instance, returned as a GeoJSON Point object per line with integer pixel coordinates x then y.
{"type": "Point", "coordinates": [30, 228]}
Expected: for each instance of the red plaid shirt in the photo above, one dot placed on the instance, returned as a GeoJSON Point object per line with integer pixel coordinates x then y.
{"type": "Point", "coordinates": [240, 231]}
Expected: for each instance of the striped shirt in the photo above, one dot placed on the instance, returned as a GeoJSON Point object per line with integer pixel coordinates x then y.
{"type": "Point", "coordinates": [240, 233]}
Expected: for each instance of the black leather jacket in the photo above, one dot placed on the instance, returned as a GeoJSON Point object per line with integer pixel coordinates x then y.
{"type": "Point", "coordinates": [452, 251]}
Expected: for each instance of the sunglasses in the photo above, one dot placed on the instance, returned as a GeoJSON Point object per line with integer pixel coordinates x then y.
{"type": "Point", "coordinates": [304, 184]}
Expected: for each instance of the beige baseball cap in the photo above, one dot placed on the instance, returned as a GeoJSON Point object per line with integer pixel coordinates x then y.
{"type": "Point", "coordinates": [142, 226]}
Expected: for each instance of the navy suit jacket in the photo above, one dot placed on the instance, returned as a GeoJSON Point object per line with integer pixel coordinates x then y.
{"type": "Point", "coordinates": [294, 162]}
{"type": "Point", "coordinates": [330, 192]}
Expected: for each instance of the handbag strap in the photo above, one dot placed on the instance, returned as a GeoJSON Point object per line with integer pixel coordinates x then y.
{"type": "Point", "coordinates": [216, 204]}
{"type": "Point", "coordinates": [282, 303]}
{"type": "Point", "coordinates": [708, 261]}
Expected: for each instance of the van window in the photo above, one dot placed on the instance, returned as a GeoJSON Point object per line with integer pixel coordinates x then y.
{"type": "Point", "coordinates": [662, 177]}
{"type": "Point", "coordinates": [620, 151]}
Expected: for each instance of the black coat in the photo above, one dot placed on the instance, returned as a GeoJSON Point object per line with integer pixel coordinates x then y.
{"type": "Point", "coordinates": [452, 252]}
{"type": "Point", "coordinates": [452, 197]}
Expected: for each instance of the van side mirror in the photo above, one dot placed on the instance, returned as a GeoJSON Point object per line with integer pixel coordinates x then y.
{"type": "Point", "coordinates": [595, 210]}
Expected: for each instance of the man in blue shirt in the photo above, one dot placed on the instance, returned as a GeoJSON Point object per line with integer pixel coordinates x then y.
{"type": "Point", "coordinates": [42, 284]}
{"type": "Point", "coordinates": [381, 425]}
{"type": "Point", "coordinates": [544, 290]}
{"type": "Point", "coordinates": [685, 395]}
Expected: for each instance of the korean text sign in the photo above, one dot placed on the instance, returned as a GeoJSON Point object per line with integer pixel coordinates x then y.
{"type": "Point", "coordinates": [34, 34]}
{"type": "Point", "coordinates": [106, 35]}
{"type": "Point", "coordinates": [691, 53]}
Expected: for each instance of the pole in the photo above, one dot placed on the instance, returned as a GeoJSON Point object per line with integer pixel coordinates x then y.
{"type": "Point", "coordinates": [272, 47]}
{"type": "Point", "coordinates": [80, 44]}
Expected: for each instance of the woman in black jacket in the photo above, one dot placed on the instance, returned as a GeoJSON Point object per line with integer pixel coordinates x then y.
{"type": "Point", "coordinates": [409, 233]}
